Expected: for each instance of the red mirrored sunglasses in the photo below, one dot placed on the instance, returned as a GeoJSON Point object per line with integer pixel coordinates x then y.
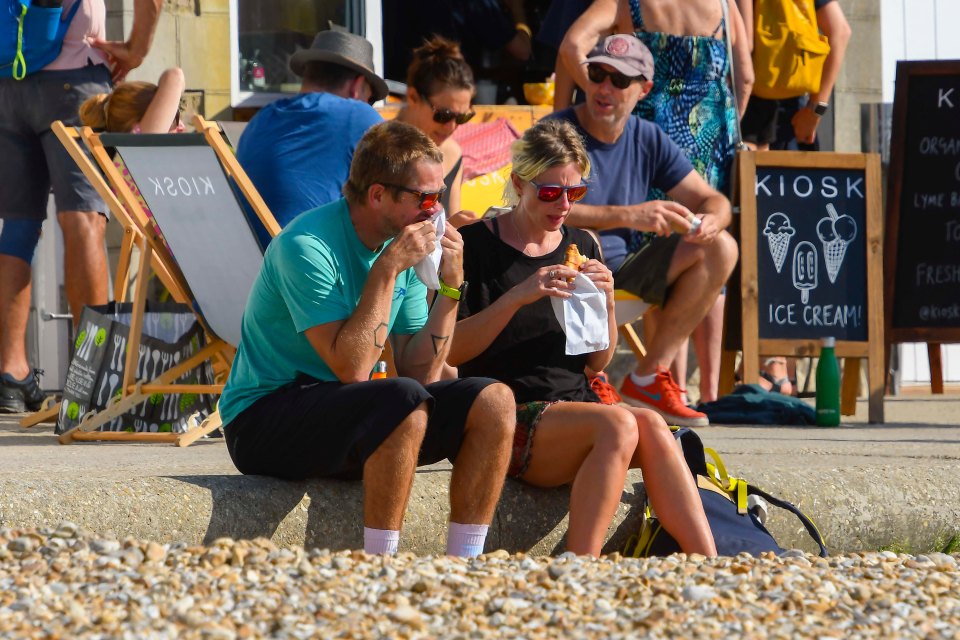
{"type": "Point", "coordinates": [443, 116]}
{"type": "Point", "coordinates": [552, 192]}
{"type": "Point", "coordinates": [426, 199]}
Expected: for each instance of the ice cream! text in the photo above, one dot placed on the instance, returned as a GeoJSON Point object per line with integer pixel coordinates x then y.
{"type": "Point", "coordinates": [815, 315]}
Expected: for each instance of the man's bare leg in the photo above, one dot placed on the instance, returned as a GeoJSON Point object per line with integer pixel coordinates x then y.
{"type": "Point", "coordinates": [388, 473]}
{"type": "Point", "coordinates": [14, 312]}
{"type": "Point", "coordinates": [85, 260]}
{"type": "Point", "coordinates": [481, 465]}
{"type": "Point", "coordinates": [707, 343]}
{"type": "Point", "coordinates": [697, 274]}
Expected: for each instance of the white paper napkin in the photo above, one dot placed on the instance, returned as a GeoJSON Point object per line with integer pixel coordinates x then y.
{"type": "Point", "coordinates": [428, 269]}
{"type": "Point", "coordinates": [583, 317]}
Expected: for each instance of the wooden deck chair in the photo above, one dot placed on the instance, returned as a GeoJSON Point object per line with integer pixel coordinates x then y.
{"type": "Point", "coordinates": [193, 186]}
{"type": "Point", "coordinates": [629, 308]}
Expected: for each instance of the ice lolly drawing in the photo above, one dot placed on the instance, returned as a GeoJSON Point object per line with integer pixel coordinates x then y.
{"type": "Point", "coordinates": [778, 231]}
{"type": "Point", "coordinates": [836, 233]}
{"type": "Point", "coordinates": [805, 269]}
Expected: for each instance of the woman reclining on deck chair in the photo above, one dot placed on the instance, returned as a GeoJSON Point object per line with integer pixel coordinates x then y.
{"type": "Point", "coordinates": [508, 331]}
{"type": "Point", "coordinates": [137, 107]}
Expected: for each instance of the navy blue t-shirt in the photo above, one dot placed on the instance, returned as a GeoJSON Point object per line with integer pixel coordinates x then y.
{"type": "Point", "coordinates": [624, 171]}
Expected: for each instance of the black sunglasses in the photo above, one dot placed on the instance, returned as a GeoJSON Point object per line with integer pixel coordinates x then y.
{"type": "Point", "coordinates": [443, 116]}
{"type": "Point", "coordinates": [597, 75]}
{"type": "Point", "coordinates": [427, 199]}
{"type": "Point", "coordinates": [552, 192]}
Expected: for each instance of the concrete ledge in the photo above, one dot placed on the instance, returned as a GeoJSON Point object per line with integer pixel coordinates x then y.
{"type": "Point", "coordinates": [864, 487]}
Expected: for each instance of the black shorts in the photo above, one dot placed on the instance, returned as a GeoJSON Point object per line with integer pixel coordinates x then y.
{"type": "Point", "coordinates": [644, 273]}
{"type": "Point", "coordinates": [759, 123]}
{"type": "Point", "coordinates": [313, 429]}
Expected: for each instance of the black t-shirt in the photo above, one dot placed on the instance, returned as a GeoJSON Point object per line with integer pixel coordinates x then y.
{"type": "Point", "coordinates": [529, 354]}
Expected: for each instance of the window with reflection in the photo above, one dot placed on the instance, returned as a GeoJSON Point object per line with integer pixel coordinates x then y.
{"type": "Point", "coordinates": [269, 32]}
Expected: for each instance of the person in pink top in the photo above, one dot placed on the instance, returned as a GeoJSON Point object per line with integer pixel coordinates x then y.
{"type": "Point", "coordinates": [32, 161]}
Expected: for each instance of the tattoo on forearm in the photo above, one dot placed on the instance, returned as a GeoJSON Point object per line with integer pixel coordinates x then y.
{"type": "Point", "coordinates": [380, 335]}
{"type": "Point", "coordinates": [439, 342]}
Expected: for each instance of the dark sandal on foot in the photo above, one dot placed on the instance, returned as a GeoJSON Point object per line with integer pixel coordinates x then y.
{"type": "Point", "coordinates": [776, 384]}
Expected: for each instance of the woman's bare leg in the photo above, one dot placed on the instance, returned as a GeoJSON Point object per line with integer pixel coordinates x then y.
{"type": "Point", "coordinates": [589, 445]}
{"type": "Point", "coordinates": [669, 484]}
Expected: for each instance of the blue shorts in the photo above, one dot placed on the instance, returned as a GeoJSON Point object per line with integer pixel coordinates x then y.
{"type": "Point", "coordinates": [32, 159]}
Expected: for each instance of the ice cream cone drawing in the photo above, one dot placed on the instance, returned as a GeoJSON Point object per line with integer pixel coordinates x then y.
{"type": "Point", "coordinates": [778, 231]}
{"type": "Point", "coordinates": [836, 232]}
{"type": "Point", "coordinates": [805, 269]}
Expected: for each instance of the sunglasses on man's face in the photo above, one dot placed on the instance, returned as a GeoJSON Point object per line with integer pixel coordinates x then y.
{"type": "Point", "coordinates": [426, 199]}
{"type": "Point", "coordinates": [552, 192]}
{"type": "Point", "coordinates": [443, 116]}
{"type": "Point", "coordinates": [598, 74]}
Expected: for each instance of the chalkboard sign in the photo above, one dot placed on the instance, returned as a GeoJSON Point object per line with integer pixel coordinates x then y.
{"type": "Point", "coordinates": [811, 253]}
{"type": "Point", "coordinates": [811, 267]}
{"type": "Point", "coordinates": [923, 216]}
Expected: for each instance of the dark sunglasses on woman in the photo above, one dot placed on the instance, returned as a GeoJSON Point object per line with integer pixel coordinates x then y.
{"type": "Point", "coordinates": [443, 116]}
{"type": "Point", "coordinates": [552, 192]}
{"type": "Point", "coordinates": [426, 199]}
{"type": "Point", "coordinates": [598, 74]}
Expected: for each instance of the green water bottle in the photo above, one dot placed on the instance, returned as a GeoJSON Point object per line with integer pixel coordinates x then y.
{"type": "Point", "coordinates": [828, 385]}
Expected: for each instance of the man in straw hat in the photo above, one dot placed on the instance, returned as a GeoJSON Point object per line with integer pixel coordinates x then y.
{"type": "Point", "coordinates": [297, 150]}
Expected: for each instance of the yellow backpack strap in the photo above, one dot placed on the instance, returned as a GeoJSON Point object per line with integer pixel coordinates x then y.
{"type": "Point", "coordinates": [19, 64]}
{"type": "Point", "coordinates": [736, 487]}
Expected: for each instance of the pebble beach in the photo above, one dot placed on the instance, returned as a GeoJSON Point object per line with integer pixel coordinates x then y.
{"type": "Point", "coordinates": [68, 583]}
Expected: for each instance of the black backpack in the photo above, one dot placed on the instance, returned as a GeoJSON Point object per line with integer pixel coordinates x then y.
{"type": "Point", "coordinates": [730, 509]}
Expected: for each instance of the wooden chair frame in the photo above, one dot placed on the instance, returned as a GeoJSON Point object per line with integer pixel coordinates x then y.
{"type": "Point", "coordinates": [140, 231]}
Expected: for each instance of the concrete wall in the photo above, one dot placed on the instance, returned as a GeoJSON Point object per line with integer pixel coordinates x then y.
{"type": "Point", "coordinates": [193, 35]}
{"type": "Point", "coordinates": [860, 78]}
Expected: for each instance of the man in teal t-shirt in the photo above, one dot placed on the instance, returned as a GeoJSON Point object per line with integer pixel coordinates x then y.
{"type": "Point", "coordinates": [334, 285]}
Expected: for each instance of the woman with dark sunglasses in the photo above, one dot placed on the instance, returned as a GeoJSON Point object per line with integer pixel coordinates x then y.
{"type": "Point", "coordinates": [440, 90]}
{"type": "Point", "coordinates": [507, 330]}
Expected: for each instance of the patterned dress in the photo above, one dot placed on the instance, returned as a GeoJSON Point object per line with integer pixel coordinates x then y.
{"type": "Point", "coordinates": [691, 99]}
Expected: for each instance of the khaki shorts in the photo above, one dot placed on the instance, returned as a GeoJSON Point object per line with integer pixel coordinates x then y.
{"type": "Point", "coordinates": [644, 272]}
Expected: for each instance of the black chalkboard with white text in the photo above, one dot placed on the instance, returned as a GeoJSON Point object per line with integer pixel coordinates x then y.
{"type": "Point", "coordinates": [811, 257]}
{"type": "Point", "coordinates": [923, 217]}
{"type": "Point", "coordinates": [811, 263]}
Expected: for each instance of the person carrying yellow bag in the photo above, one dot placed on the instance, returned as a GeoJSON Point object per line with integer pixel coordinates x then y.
{"type": "Point", "coordinates": [788, 49]}
{"type": "Point", "coordinates": [797, 79]}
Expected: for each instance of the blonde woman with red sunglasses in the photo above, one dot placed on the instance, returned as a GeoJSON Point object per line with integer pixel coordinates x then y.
{"type": "Point", "coordinates": [440, 89]}
{"type": "Point", "coordinates": [507, 330]}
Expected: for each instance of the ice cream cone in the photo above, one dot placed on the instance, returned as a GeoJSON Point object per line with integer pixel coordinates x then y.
{"type": "Point", "coordinates": [833, 253]}
{"type": "Point", "coordinates": [779, 243]}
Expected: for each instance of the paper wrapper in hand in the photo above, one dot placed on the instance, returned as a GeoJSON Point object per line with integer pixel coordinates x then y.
{"type": "Point", "coordinates": [428, 269]}
{"type": "Point", "coordinates": [583, 317]}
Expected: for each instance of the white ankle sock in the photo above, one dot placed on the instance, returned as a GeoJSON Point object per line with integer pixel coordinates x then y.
{"type": "Point", "coordinates": [379, 541]}
{"type": "Point", "coordinates": [643, 381]}
{"type": "Point", "coordinates": [466, 540]}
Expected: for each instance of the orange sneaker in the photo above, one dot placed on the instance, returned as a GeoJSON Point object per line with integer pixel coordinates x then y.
{"type": "Point", "coordinates": [664, 397]}
{"type": "Point", "coordinates": [604, 390]}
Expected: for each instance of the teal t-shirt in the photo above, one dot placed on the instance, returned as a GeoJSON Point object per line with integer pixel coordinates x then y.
{"type": "Point", "coordinates": [313, 273]}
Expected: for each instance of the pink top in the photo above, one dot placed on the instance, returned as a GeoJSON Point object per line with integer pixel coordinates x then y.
{"type": "Point", "coordinates": [90, 21]}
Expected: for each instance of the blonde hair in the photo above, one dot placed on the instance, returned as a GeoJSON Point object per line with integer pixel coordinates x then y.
{"type": "Point", "coordinates": [386, 154]}
{"type": "Point", "coordinates": [547, 144]}
{"type": "Point", "coordinates": [120, 109]}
